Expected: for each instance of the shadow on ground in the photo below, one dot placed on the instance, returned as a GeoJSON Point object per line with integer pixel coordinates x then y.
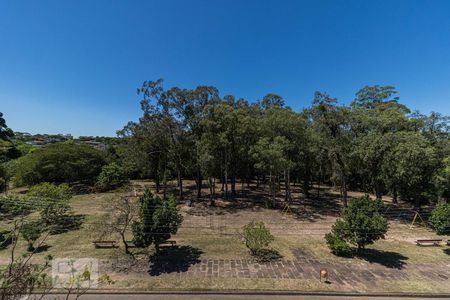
{"type": "Point", "coordinates": [68, 223]}
{"type": "Point", "coordinates": [42, 248]}
{"type": "Point", "coordinates": [268, 255]}
{"type": "Point", "coordinates": [447, 251]}
{"type": "Point", "coordinates": [173, 259]}
{"type": "Point", "coordinates": [388, 259]}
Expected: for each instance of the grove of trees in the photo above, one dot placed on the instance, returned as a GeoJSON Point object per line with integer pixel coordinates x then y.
{"type": "Point", "coordinates": [375, 144]}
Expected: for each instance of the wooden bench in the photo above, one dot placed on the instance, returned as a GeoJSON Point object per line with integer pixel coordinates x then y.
{"type": "Point", "coordinates": [104, 244]}
{"type": "Point", "coordinates": [428, 242]}
{"type": "Point", "coordinates": [171, 243]}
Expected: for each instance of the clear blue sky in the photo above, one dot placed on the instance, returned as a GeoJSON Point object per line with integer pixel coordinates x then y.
{"type": "Point", "coordinates": [74, 66]}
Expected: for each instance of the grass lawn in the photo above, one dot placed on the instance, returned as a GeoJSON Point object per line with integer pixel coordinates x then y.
{"type": "Point", "coordinates": [214, 231]}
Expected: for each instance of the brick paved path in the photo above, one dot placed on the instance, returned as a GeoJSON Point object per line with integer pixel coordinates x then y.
{"type": "Point", "coordinates": [304, 267]}
{"type": "Point", "coordinates": [349, 275]}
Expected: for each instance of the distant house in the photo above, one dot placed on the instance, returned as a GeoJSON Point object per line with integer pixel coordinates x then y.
{"type": "Point", "coordinates": [94, 144]}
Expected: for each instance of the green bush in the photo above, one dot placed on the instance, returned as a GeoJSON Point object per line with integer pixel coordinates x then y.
{"type": "Point", "coordinates": [52, 200]}
{"type": "Point", "coordinates": [158, 219]}
{"type": "Point", "coordinates": [362, 223]}
{"type": "Point", "coordinates": [337, 245]}
{"type": "Point", "coordinates": [440, 218]}
{"type": "Point", "coordinates": [31, 232]}
{"type": "Point", "coordinates": [58, 163]}
{"type": "Point", "coordinates": [257, 237]}
{"type": "Point", "coordinates": [112, 176]}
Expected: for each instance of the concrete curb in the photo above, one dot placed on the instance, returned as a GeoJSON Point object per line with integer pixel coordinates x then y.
{"type": "Point", "coordinates": [261, 292]}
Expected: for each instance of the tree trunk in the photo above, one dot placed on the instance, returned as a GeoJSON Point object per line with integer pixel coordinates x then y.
{"type": "Point", "coordinates": [287, 184]}
{"type": "Point", "coordinates": [226, 184]}
{"type": "Point", "coordinates": [395, 196]}
{"type": "Point", "coordinates": [318, 189]}
{"type": "Point", "coordinates": [233, 185]}
{"type": "Point", "coordinates": [344, 192]}
{"type": "Point", "coordinates": [211, 198]}
{"type": "Point", "coordinates": [180, 185]}
{"type": "Point", "coordinates": [125, 244]}
{"type": "Point", "coordinates": [158, 185]}
{"type": "Point", "coordinates": [379, 190]}
{"type": "Point", "coordinates": [199, 184]}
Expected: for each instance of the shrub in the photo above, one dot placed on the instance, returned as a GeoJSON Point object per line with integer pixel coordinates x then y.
{"type": "Point", "coordinates": [59, 163]}
{"type": "Point", "coordinates": [361, 224]}
{"type": "Point", "coordinates": [257, 237]}
{"type": "Point", "coordinates": [31, 232]}
{"type": "Point", "coordinates": [440, 218]}
{"type": "Point", "coordinates": [337, 245]}
{"type": "Point", "coordinates": [112, 176]}
{"type": "Point", "coordinates": [158, 219]}
{"type": "Point", "coordinates": [53, 201]}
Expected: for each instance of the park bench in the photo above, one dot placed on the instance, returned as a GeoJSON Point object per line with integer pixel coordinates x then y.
{"type": "Point", "coordinates": [104, 244]}
{"type": "Point", "coordinates": [428, 242]}
{"type": "Point", "coordinates": [171, 243]}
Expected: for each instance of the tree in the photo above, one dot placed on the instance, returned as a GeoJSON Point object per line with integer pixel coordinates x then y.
{"type": "Point", "coordinates": [112, 176]}
{"type": "Point", "coordinates": [332, 122]}
{"type": "Point", "coordinates": [59, 163]}
{"type": "Point", "coordinates": [31, 232]}
{"type": "Point", "coordinates": [409, 165]}
{"type": "Point", "coordinates": [157, 220]}
{"type": "Point", "coordinates": [270, 157]}
{"type": "Point", "coordinates": [257, 237]}
{"type": "Point", "coordinates": [20, 277]}
{"type": "Point", "coordinates": [440, 218]}
{"type": "Point", "coordinates": [361, 224]}
{"type": "Point", "coordinates": [5, 132]}
{"type": "Point", "coordinates": [53, 202]}
{"type": "Point", "coordinates": [122, 214]}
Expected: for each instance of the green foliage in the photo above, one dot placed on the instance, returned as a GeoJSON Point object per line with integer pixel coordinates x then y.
{"type": "Point", "coordinates": [373, 145]}
{"type": "Point", "coordinates": [440, 218]}
{"type": "Point", "coordinates": [337, 245]}
{"type": "Point", "coordinates": [53, 202]}
{"type": "Point", "coordinates": [3, 178]}
{"type": "Point", "coordinates": [59, 163]}
{"type": "Point", "coordinates": [13, 205]}
{"type": "Point", "coordinates": [158, 220]}
{"type": "Point", "coordinates": [31, 232]}
{"type": "Point", "coordinates": [361, 224]}
{"type": "Point", "coordinates": [112, 176]}
{"type": "Point", "coordinates": [257, 237]}
{"type": "Point", "coordinates": [5, 132]}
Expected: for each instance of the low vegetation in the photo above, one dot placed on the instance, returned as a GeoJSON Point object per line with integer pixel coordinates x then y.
{"type": "Point", "coordinates": [158, 219]}
{"type": "Point", "coordinates": [361, 224]}
{"type": "Point", "coordinates": [440, 218]}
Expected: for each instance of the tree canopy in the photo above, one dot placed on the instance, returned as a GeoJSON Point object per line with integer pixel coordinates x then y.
{"type": "Point", "coordinates": [59, 163]}
{"type": "Point", "coordinates": [376, 144]}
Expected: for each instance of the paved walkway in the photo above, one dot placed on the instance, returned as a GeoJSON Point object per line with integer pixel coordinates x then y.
{"type": "Point", "coordinates": [349, 276]}
{"type": "Point", "coordinates": [307, 268]}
